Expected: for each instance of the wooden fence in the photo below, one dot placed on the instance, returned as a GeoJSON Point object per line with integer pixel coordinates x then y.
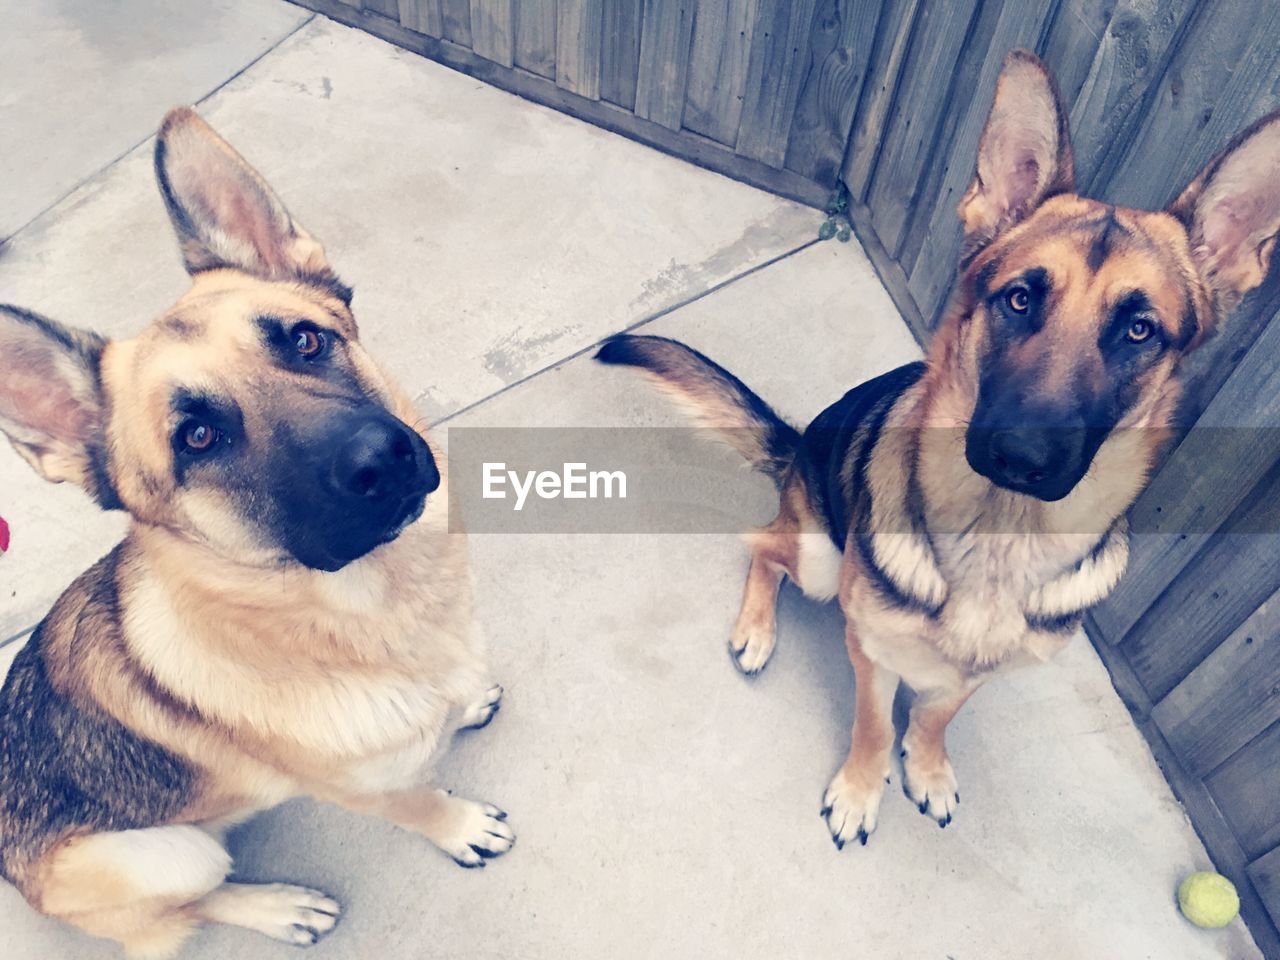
{"type": "Point", "coordinates": [889, 96]}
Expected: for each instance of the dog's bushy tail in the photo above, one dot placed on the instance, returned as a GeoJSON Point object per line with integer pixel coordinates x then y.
{"type": "Point", "coordinates": [713, 396]}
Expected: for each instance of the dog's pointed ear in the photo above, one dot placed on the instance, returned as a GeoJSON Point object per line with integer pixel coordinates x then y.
{"type": "Point", "coordinates": [51, 406]}
{"type": "Point", "coordinates": [1232, 213]}
{"type": "Point", "coordinates": [1024, 156]}
{"type": "Point", "coordinates": [225, 214]}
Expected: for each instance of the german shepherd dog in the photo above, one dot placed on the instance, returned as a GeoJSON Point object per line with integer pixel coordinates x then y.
{"type": "Point", "coordinates": [288, 613]}
{"type": "Point", "coordinates": [968, 510]}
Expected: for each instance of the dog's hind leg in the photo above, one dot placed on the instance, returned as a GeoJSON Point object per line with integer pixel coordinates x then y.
{"type": "Point", "coordinates": [132, 886]}
{"type": "Point", "coordinates": [279, 910]}
{"type": "Point", "coordinates": [150, 889]}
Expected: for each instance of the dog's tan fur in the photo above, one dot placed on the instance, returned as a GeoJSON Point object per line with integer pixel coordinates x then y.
{"type": "Point", "coordinates": [946, 578]}
{"type": "Point", "coordinates": [263, 677]}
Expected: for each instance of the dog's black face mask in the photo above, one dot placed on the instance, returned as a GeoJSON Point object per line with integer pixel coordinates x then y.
{"type": "Point", "coordinates": [1042, 451]}
{"type": "Point", "coordinates": [349, 486]}
{"type": "Point", "coordinates": [295, 454]}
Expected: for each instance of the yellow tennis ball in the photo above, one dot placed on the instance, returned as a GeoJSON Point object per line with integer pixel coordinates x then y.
{"type": "Point", "coordinates": [1208, 900]}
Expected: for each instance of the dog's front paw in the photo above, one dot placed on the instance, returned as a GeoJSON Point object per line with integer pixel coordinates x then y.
{"type": "Point", "coordinates": [751, 645]}
{"type": "Point", "coordinates": [850, 807]}
{"type": "Point", "coordinates": [474, 832]}
{"type": "Point", "coordinates": [930, 784]}
{"type": "Point", "coordinates": [478, 714]}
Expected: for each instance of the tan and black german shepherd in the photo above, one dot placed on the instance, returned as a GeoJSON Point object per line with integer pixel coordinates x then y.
{"type": "Point", "coordinates": [287, 615]}
{"type": "Point", "coordinates": [968, 510]}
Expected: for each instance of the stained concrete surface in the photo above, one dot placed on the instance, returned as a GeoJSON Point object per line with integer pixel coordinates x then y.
{"type": "Point", "coordinates": [82, 81]}
{"type": "Point", "coordinates": [665, 806]}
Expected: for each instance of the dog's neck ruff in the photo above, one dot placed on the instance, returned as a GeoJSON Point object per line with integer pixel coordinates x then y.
{"type": "Point", "coordinates": [901, 553]}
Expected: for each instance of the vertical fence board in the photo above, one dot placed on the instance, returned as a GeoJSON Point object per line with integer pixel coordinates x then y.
{"type": "Point", "coordinates": [1212, 596]}
{"type": "Point", "coordinates": [1224, 74]}
{"type": "Point", "coordinates": [491, 30]}
{"type": "Point", "coordinates": [917, 114]}
{"type": "Point", "coordinates": [1227, 700]}
{"type": "Point", "coordinates": [620, 57]}
{"type": "Point", "coordinates": [841, 40]}
{"type": "Point", "coordinates": [718, 58]}
{"type": "Point", "coordinates": [778, 63]}
{"type": "Point", "coordinates": [422, 16]}
{"type": "Point", "coordinates": [579, 32]}
{"type": "Point", "coordinates": [1246, 787]}
{"type": "Point", "coordinates": [388, 8]}
{"type": "Point", "coordinates": [535, 39]}
{"type": "Point", "coordinates": [1131, 55]}
{"type": "Point", "coordinates": [893, 39]}
{"type": "Point", "coordinates": [457, 21]}
{"type": "Point", "coordinates": [930, 251]}
{"type": "Point", "coordinates": [1072, 41]}
{"type": "Point", "coordinates": [1265, 874]}
{"type": "Point", "coordinates": [664, 61]}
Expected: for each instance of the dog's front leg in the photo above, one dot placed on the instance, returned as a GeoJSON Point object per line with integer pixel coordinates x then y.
{"type": "Point", "coordinates": [852, 801]}
{"type": "Point", "coordinates": [468, 831]}
{"type": "Point", "coordinates": [928, 780]}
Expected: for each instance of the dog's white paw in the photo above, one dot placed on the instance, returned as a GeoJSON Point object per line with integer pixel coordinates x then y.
{"type": "Point", "coordinates": [851, 807]}
{"type": "Point", "coordinates": [751, 645]}
{"type": "Point", "coordinates": [475, 832]}
{"type": "Point", "coordinates": [478, 714]}
{"type": "Point", "coordinates": [931, 787]}
{"type": "Point", "coordinates": [280, 910]}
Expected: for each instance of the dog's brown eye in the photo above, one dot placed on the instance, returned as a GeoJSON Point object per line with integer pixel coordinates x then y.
{"type": "Point", "coordinates": [309, 341]}
{"type": "Point", "coordinates": [1019, 299]}
{"type": "Point", "coordinates": [1139, 331]}
{"type": "Point", "coordinates": [199, 437]}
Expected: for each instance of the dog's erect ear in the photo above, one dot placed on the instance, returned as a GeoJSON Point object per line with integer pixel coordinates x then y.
{"type": "Point", "coordinates": [1024, 156]}
{"type": "Point", "coordinates": [223, 211]}
{"type": "Point", "coordinates": [51, 400]}
{"type": "Point", "coordinates": [1232, 212]}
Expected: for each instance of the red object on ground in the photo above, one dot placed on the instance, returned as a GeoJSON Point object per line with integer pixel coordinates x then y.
{"type": "Point", "coordinates": [4, 535]}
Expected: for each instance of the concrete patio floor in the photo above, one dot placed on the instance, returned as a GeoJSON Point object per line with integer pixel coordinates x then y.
{"type": "Point", "coordinates": [665, 806]}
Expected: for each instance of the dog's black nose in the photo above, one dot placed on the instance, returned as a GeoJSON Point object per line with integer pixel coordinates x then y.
{"type": "Point", "coordinates": [1024, 458]}
{"type": "Point", "coordinates": [382, 457]}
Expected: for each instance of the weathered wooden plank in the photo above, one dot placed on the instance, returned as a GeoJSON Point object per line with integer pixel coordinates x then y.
{"type": "Point", "coordinates": [1246, 788]}
{"type": "Point", "coordinates": [1230, 698]}
{"type": "Point", "coordinates": [664, 61]}
{"type": "Point", "coordinates": [620, 57]}
{"type": "Point", "coordinates": [1131, 54]}
{"type": "Point", "coordinates": [1212, 595]}
{"type": "Point", "coordinates": [1071, 42]}
{"type": "Point", "coordinates": [893, 38]}
{"type": "Point", "coordinates": [718, 60]}
{"type": "Point", "coordinates": [492, 30]}
{"type": "Point", "coordinates": [1222, 76]}
{"type": "Point", "coordinates": [388, 8]}
{"type": "Point", "coordinates": [535, 37]}
{"type": "Point", "coordinates": [913, 128]}
{"type": "Point", "coordinates": [930, 250]}
{"type": "Point", "coordinates": [777, 65]}
{"type": "Point", "coordinates": [1201, 483]}
{"type": "Point", "coordinates": [841, 42]}
{"type": "Point", "coordinates": [524, 83]}
{"type": "Point", "coordinates": [1265, 874]}
{"type": "Point", "coordinates": [579, 30]}
{"type": "Point", "coordinates": [457, 21]}
{"type": "Point", "coordinates": [422, 16]}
